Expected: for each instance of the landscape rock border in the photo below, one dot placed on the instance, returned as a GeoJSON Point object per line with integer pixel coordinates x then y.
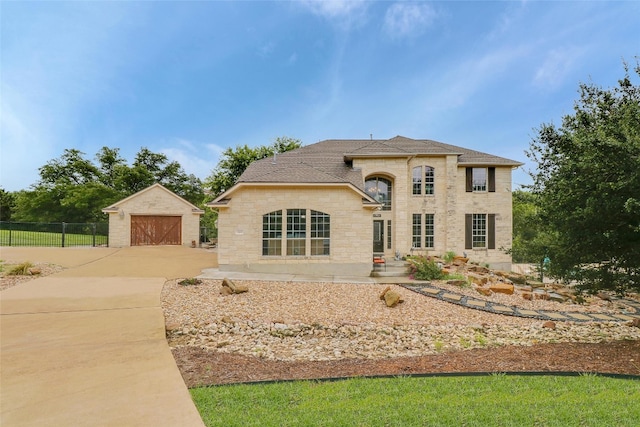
{"type": "Point", "coordinates": [498, 308]}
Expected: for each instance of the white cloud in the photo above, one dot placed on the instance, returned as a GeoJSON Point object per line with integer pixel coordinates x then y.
{"type": "Point", "coordinates": [346, 14]}
{"type": "Point", "coordinates": [556, 66]}
{"type": "Point", "coordinates": [196, 159]}
{"type": "Point", "coordinates": [334, 8]}
{"type": "Point", "coordinates": [408, 19]}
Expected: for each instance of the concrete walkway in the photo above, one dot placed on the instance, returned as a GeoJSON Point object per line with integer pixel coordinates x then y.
{"type": "Point", "coordinates": [87, 346]}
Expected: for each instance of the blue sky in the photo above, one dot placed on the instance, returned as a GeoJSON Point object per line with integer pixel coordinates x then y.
{"type": "Point", "coordinates": [190, 79]}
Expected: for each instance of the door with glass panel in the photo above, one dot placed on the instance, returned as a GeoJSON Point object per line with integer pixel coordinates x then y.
{"type": "Point", "coordinates": [378, 236]}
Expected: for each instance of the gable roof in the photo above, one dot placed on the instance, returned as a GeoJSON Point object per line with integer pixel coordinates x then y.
{"type": "Point", "coordinates": [402, 146]}
{"type": "Point", "coordinates": [330, 161]}
{"type": "Point", "coordinates": [116, 206]}
{"type": "Point", "coordinates": [327, 161]}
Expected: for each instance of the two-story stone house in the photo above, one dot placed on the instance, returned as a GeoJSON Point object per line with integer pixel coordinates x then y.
{"type": "Point", "coordinates": [328, 207]}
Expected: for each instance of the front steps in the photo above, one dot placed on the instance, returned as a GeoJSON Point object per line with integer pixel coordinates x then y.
{"type": "Point", "coordinates": [393, 269]}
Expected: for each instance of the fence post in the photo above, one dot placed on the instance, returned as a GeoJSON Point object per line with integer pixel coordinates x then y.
{"type": "Point", "coordinates": [9, 233]}
{"type": "Point", "coordinates": [94, 234]}
{"type": "Point", "coordinates": [63, 229]}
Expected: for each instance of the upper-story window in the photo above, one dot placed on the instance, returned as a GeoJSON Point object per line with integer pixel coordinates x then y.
{"type": "Point", "coordinates": [423, 180]}
{"type": "Point", "coordinates": [380, 189]}
{"type": "Point", "coordinates": [480, 180]}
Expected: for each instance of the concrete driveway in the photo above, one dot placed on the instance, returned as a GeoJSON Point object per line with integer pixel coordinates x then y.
{"type": "Point", "coordinates": [87, 346]}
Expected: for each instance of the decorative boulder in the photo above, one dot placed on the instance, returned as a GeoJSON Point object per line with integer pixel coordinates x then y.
{"type": "Point", "coordinates": [483, 291]}
{"type": "Point", "coordinates": [235, 288]}
{"type": "Point", "coordinates": [477, 278]}
{"type": "Point", "coordinates": [392, 298]}
{"type": "Point", "coordinates": [502, 288]}
{"type": "Point", "coordinates": [549, 325]}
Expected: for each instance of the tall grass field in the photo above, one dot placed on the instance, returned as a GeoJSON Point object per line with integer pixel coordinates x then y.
{"type": "Point", "coordinates": [495, 400]}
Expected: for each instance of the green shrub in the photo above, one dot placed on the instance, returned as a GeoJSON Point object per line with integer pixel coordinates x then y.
{"type": "Point", "coordinates": [20, 269]}
{"type": "Point", "coordinates": [449, 256]}
{"type": "Point", "coordinates": [425, 268]}
{"type": "Point", "coordinates": [190, 282]}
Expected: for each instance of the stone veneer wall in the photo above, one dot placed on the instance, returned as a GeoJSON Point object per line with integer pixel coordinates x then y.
{"type": "Point", "coordinates": [240, 230]}
{"type": "Point", "coordinates": [449, 204]}
{"type": "Point", "coordinates": [155, 201]}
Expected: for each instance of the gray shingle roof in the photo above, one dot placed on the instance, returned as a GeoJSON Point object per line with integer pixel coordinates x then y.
{"type": "Point", "coordinates": [327, 161]}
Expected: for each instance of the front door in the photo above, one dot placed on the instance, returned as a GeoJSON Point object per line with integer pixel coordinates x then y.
{"type": "Point", "coordinates": [378, 236]}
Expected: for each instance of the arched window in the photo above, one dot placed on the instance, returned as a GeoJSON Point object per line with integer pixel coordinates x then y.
{"type": "Point", "coordinates": [300, 233]}
{"type": "Point", "coordinates": [380, 189]}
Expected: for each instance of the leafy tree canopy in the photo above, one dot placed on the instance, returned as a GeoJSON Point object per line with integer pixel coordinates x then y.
{"type": "Point", "coordinates": [588, 187]}
{"type": "Point", "coordinates": [75, 189]}
{"type": "Point", "coordinates": [531, 236]}
{"type": "Point", "coordinates": [235, 161]}
{"type": "Point", "coordinates": [7, 202]}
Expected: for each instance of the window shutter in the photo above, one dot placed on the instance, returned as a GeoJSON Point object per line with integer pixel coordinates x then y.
{"type": "Point", "coordinates": [491, 231]}
{"type": "Point", "coordinates": [468, 225]}
{"type": "Point", "coordinates": [492, 180]}
{"type": "Point", "coordinates": [469, 180]}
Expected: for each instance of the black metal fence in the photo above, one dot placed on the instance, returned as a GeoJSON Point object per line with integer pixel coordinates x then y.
{"type": "Point", "coordinates": [58, 234]}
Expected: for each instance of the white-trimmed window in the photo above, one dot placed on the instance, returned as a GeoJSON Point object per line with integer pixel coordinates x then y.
{"type": "Point", "coordinates": [423, 180]}
{"type": "Point", "coordinates": [320, 233]}
{"type": "Point", "coordinates": [296, 231]}
{"type": "Point", "coordinates": [429, 231]}
{"type": "Point", "coordinates": [301, 233]}
{"type": "Point", "coordinates": [417, 236]}
{"type": "Point", "coordinates": [272, 233]}
{"type": "Point", "coordinates": [380, 189]}
{"type": "Point", "coordinates": [480, 180]}
{"type": "Point", "coordinates": [480, 231]}
{"type": "Point", "coordinates": [416, 239]}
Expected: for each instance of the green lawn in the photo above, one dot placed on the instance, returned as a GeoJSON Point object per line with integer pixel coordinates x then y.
{"type": "Point", "coordinates": [42, 238]}
{"type": "Point", "coordinates": [497, 400]}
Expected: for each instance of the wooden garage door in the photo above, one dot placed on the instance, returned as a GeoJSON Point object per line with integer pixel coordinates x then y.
{"type": "Point", "coordinates": [156, 230]}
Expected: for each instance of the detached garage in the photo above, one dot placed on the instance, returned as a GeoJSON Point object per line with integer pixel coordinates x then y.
{"type": "Point", "coordinates": [153, 216]}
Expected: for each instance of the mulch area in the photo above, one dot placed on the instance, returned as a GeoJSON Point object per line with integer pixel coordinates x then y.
{"type": "Point", "coordinates": [201, 367]}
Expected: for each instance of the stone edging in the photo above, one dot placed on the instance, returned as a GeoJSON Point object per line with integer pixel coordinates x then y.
{"type": "Point", "coordinates": [479, 304]}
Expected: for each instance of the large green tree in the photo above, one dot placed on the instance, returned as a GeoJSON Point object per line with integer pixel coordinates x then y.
{"type": "Point", "coordinates": [7, 202]}
{"type": "Point", "coordinates": [588, 187]}
{"type": "Point", "coordinates": [233, 162]}
{"type": "Point", "coordinates": [72, 188]}
{"type": "Point", "coordinates": [531, 236]}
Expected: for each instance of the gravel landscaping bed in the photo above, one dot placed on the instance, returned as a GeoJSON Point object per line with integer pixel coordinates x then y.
{"type": "Point", "coordinates": [328, 321]}
{"type": "Point", "coordinates": [9, 281]}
